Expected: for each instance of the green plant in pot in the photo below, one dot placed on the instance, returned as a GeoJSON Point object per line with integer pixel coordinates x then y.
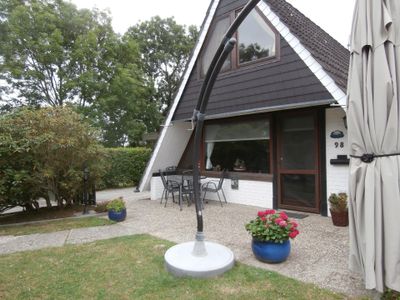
{"type": "Point", "coordinates": [271, 231]}
{"type": "Point", "coordinates": [338, 208]}
{"type": "Point", "coordinates": [116, 210]}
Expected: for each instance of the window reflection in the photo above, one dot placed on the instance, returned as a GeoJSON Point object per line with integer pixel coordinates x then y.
{"type": "Point", "coordinates": [240, 146]}
{"type": "Point", "coordinates": [216, 37]}
{"type": "Point", "coordinates": [256, 39]}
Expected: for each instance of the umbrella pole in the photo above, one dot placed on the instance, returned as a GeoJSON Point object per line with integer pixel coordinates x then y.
{"type": "Point", "coordinates": [200, 258]}
{"type": "Point", "coordinates": [198, 117]}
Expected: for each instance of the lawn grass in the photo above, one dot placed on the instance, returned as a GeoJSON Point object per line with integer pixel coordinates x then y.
{"type": "Point", "coordinates": [132, 267]}
{"type": "Point", "coordinates": [52, 226]}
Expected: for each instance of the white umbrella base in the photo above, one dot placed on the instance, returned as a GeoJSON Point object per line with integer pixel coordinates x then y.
{"type": "Point", "coordinates": [180, 260]}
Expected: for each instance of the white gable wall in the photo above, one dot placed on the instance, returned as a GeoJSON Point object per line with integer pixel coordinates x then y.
{"type": "Point", "coordinates": [176, 138]}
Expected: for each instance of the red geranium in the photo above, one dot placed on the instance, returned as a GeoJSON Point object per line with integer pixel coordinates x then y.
{"type": "Point", "coordinates": [293, 234]}
{"type": "Point", "coordinates": [272, 226]}
{"type": "Point", "coordinates": [283, 215]}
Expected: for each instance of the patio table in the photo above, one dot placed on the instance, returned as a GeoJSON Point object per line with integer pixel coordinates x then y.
{"type": "Point", "coordinates": [183, 177]}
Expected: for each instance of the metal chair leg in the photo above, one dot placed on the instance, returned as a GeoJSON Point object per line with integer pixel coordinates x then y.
{"type": "Point", "coordinates": [180, 197]}
{"type": "Point", "coordinates": [166, 198]}
{"type": "Point", "coordinates": [204, 197]}
{"type": "Point", "coordinates": [163, 195]}
{"type": "Point", "coordinates": [219, 198]}
{"type": "Point", "coordinates": [223, 194]}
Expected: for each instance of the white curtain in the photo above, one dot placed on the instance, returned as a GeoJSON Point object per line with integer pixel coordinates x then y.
{"type": "Point", "coordinates": [210, 149]}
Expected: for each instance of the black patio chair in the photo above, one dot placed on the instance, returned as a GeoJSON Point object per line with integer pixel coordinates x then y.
{"type": "Point", "coordinates": [170, 186]}
{"type": "Point", "coordinates": [187, 189]}
{"type": "Point", "coordinates": [214, 186]}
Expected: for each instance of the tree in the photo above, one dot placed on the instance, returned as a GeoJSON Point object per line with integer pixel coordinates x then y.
{"type": "Point", "coordinates": [165, 48]}
{"type": "Point", "coordinates": [54, 54]}
{"type": "Point", "coordinates": [44, 151]}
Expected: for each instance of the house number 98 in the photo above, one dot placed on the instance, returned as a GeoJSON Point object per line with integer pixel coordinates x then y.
{"type": "Point", "coordinates": [337, 144]}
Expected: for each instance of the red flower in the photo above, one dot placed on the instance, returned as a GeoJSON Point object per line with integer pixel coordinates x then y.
{"type": "Point", "coordinates": [261, 214]}
{"type": "Point", "coordinates": [270, 211]}
{"type": "Point", "coordinates": [282, 224]}
{"type": "Point", "coordinates": [293, 234]}
{"type": "Point", "coordinates": [278, 220]}
{"type": "Point", "coordinates": [263, 219]}
{"type": "Point", "coordinates": [283, 215]}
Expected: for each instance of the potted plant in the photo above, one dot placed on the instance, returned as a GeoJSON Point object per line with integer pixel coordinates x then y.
{"type": "Point", "coordinates": [116, 210]}
{"type": "Point", "coordinates": [338, 209]}
{"type": "Point", "coordinates": [271, 231]}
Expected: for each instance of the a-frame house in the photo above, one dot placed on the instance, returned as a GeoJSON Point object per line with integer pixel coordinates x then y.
{"type": "Point", "coordinates": [275, 118]}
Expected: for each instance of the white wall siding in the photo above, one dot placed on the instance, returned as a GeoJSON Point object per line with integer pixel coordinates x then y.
{"type": "Point", "coordinates": [256, 193]}
{"type": "Point", "coordinates": [336, 175]}
{"type": "Point", "coordinates": [156, 188]}
{"type": "Point", "coordinates": [171, 149]}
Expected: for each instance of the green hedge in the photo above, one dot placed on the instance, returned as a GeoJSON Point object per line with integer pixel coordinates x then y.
{"type": "Point", "coordinates": [126, 166]}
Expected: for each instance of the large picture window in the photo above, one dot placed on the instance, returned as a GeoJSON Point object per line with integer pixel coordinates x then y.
{"type": "Point", "coordinates": [240, 146]}
{"type": "Point", "coordinates": [256, 39]}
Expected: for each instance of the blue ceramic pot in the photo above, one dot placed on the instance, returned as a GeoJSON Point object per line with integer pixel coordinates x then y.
{"type": "Point", "coordinates": [271, 252]}
{"type": "Point", "coordinates": [117, 216]}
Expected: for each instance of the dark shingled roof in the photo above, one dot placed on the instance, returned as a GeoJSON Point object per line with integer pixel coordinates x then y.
{"type": "Point", "coordinates": [331, 55]}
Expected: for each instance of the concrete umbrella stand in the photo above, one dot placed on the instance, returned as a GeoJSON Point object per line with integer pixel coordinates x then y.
{"type": "Point", "coordinates": [201, 258]}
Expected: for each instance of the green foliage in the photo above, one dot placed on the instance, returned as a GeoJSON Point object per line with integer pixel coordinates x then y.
{"type": "Point", "coordinates": [44, 152]}
{"type": "Point", "coordinates": [165, 47]}
{"type": "Point", "coordinates": [116, 205]}
{"type": "Point", "coordinates": [51, 53]}
{"type": "Point", "coordinates": [338, 202]}
{"type": "Point", "coordinates": [55, 53]}
{"type": "Point", "coordinates": [390, 295]}
{"type": "Point", "coordinates": [126, 167]}
{"type": "Point", "coordinates": [272, 226]}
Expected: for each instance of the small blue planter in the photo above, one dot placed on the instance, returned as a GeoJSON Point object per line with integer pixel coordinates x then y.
{"type": "Point", "coordinates": [271, 252]}
{"type": "Point", "coordinates": [117, 216]}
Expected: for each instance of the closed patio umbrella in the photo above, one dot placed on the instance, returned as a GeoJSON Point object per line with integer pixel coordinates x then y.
{"type": "Point", "coordinates": [373, 116]}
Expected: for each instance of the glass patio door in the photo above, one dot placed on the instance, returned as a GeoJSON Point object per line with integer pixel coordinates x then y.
{"type": "Point", "coordinates": [297, 162]}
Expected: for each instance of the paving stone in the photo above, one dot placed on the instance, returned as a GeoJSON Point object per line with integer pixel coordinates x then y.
{"type": "Point", "coordinates": [34, 242]}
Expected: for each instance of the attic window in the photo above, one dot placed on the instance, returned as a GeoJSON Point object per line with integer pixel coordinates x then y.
{"type": "Point", "coordinates": [256, 39]}
{"type": "Point", "coordinates": [214, 41]}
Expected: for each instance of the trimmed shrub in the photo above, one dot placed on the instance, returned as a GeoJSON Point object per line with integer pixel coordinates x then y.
{"type": "Point", "coordinates": [126, 167]}
{"type": "Point", "coordinates": [43, 152]}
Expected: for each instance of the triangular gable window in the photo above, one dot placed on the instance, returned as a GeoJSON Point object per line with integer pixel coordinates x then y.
{"type": "Point", "coordinates": [220, 28]}
{"type": "Point", "coordinates": [256, 39]}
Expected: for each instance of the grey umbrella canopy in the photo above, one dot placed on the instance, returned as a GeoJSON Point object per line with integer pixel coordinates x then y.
{"type": "Point", "coordinates": [373, 116]}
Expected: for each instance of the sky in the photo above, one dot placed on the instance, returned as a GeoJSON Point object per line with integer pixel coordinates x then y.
{"type": "Point", "coordinates": [334, 16]}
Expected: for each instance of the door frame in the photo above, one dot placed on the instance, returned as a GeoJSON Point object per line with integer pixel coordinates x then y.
{"type": "Point", "coordinates": [317, 171]}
